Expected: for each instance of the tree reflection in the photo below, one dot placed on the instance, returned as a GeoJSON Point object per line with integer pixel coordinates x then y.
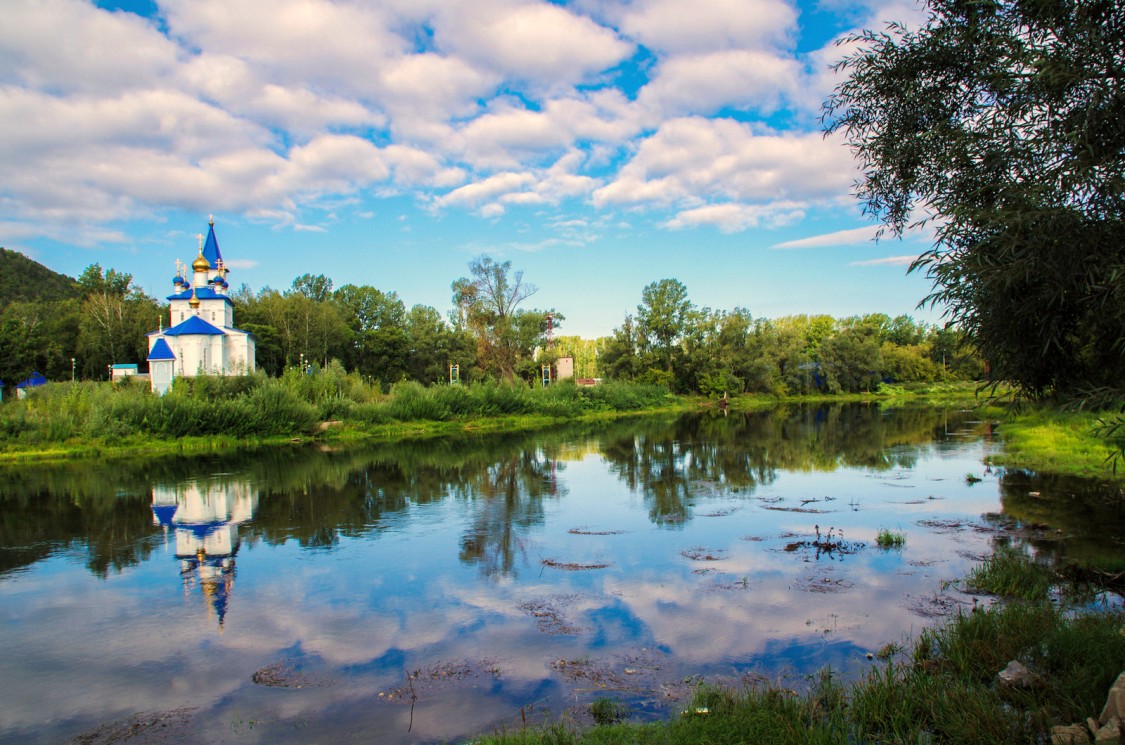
{"type": "Point", "coordinates": [507, 501]}
{"type": "Point", "coordinates": [319, 498]}
{"type": "Point", "coordinates": [1077, 518]}
{"type": "Point", "coordinates": [671, 463]}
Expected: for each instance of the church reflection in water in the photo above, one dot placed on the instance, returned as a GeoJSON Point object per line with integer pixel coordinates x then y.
{"type": "Point", "coordinates": [203, 517]}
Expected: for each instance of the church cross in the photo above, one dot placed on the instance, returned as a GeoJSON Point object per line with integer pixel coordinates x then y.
{"type": "Point", "coordinates": [180, 266]}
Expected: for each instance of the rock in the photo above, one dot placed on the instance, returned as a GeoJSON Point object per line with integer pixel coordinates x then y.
{"type": "Point", "coordinates": [1094, 726]}
{"type": "Point", "coordinates": [1069, 734]}
{"type": "Point", "coordinates": [1114, 702]}
{"type": "Point", "coordinates": [1109, 733]}
{"type": "Point", "coordinates": [1015, 675]}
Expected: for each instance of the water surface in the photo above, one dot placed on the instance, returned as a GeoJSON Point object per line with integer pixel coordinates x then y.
{"type": "Point", "coordinates": [424, 592]}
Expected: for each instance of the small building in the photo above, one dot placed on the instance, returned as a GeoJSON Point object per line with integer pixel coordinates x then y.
{"type": "Point", "coordinates": [120, 372]}
{"type": "Point", "coordinates": [201, 338]}
{"type": "Point", "coordinates": [33, 381]}
{"type": "Point", "coordinates": [564, 368]}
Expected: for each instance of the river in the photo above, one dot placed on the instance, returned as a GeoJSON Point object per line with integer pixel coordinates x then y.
{"type": "Point", "coordinates": [428, 591]}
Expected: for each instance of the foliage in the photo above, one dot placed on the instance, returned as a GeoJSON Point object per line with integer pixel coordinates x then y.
{"type": "Point", "coordinates": [25, 280]}
{"type": "Point", "coordinates": [488, 306]}
{"type": "Point", "coordinates": [257, 406]}
{"type": "Point", "coordinates": [1000, 123]}
{"type": "Point", "coordinates": [672, 342]}
{"type": "Point", "coordinates": [112, 321]}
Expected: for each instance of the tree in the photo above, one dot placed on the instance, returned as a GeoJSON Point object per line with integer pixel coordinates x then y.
{"type": "Point", "coordinates": [115, 317]}
{"type": "Point", "coordinates": [433, 346]}
{"type": "Point", "coordinates": [662, 317]}
{"type": "Point", "coordinates": [379, 346]}
{"type": "Point", "coordinates": [999, 123]}
{"type": "Point", "coordinates": [317, 288]}
{"type": "Point", "coordinates": [486, 305]}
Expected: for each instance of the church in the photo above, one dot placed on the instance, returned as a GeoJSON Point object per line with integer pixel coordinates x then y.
{"type": "Point", "coordinates": [201, 338]}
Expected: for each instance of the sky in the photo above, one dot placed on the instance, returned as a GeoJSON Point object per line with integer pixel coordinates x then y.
{"type": "Point", "coordinates": [597, 145]}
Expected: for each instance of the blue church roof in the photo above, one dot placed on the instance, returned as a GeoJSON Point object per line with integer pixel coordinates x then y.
{"type": "Point", "coordinates": [194, 325]}
{"type": "Point", "coordinates": [211, 247]}
{"type": "Point", "coordinates": [164, 512]}
{"type": "Point", "coordinates": [203, 293]}
{"type": "Point", "coordinates": [160, 351]}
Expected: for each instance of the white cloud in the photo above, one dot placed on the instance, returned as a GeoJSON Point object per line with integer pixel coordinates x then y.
{"type": "Point", "coordinates": [510, 134]}
{"type": "Point", "coordinates": [485, 190]}
{"type": "Point", "coordinates": [671, 27]}
{"type": "Point", "coordinates": [529, 41]}
{"type": "Point", "coordinates": [692, 159]}
{"type": "Point", "coordinates": [423, 92]}
{"type": "Point", "coordinates": [234, 85]}
{"type": "Point", "coordinates": [889, 261]}
{"type": "Point", "coordinates": [848, 237]}
{"type": "Point", "coordinates": [337, 45]}
{"type": "Point", "coordinates": [732, 218]}
{"type": "Point", "coordinates": [706, 83]}
{"type": "Point", "coordinates": [70, 46]}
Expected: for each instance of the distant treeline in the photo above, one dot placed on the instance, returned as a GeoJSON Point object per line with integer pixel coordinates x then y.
{"type": "Point", "coordinates": [82, 326]}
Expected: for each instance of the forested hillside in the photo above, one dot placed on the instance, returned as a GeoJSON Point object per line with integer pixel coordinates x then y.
{"type": "Point", "coordinates": [23, 279]}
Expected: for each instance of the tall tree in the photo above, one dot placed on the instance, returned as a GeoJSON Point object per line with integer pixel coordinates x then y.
{"type": "Point", "coordinates": [662, 317]}
{"type": "Point", "coordinates": [1000, 123]}
{"type": "Point", "coordinates": [487, 303]}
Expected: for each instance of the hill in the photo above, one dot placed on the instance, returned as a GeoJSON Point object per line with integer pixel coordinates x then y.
{"type": "Point", "coordinates": [22, 279]}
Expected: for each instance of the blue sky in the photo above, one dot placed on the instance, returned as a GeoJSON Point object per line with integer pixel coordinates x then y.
{"type": "Point", "coordinates": [598, 145]}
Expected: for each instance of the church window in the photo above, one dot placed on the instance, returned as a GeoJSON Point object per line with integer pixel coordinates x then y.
{"type": "Point", "coordinates": [181, 315]}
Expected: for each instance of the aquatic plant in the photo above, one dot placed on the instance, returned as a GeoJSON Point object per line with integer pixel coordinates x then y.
{"type": "Point", "coordinates": [890, 539]}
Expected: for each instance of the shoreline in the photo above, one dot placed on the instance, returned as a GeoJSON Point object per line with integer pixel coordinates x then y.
{"type": "Point", "coordinates": [1039, 439]}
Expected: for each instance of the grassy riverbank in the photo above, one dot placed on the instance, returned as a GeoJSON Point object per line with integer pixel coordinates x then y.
{"type": "Point", "coordinates": [942, 689]}
{"type": "Point", "coordinates": [82, 420]}
{"type": "Point", "coordinates": [1060, 442]}
{"type": "Point", "coordinates": [204, 414]}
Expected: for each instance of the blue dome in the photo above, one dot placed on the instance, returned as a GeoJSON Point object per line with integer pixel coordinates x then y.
{"type": "Point", "coordinates": [178, 280]}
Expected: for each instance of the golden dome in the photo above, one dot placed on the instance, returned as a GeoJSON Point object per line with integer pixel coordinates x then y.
{"type": "Point", "coordinates": [194, 302]}
{"type": "Point", "coordinates": [201, 264]}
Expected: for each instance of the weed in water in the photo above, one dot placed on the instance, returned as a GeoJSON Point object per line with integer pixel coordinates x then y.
{"type": "Point", "coordinates": [890, 539]}
{"type": "Point", "coordinates": [1010, 573]}
{"type": "Point", "coordinates": [608, 711]}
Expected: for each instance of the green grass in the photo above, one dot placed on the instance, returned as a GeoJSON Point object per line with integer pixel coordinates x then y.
{"type": "Point", "coordinates": [890, 539]}
{"type": "Point", "coordinates": [608, 711]}
{"type": "Point", "coordinates": [1010, 574]}
{"type": "Point", "coordinates": [63, 420]}
{"type": "Point", "coordinates": [943, 691]}
{"type": "Point", "coordinates": [1059, 442]}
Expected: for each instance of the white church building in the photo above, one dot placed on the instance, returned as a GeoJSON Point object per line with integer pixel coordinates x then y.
{"type": "Point", "coordinates": [201, 338]}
